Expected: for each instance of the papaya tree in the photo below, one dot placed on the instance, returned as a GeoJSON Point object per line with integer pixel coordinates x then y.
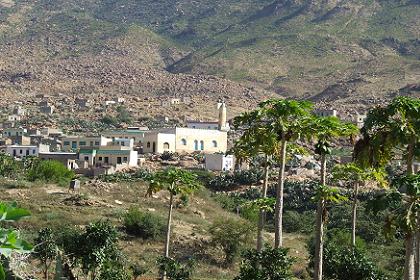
{"type": "Point", "coordinates": [355, 177]}
{"type": "Point", "coordinates": [324, 197]}
{"type": "Point", "coordinates": [288, 120]}
{"type": "Point", "coordinates": [402, 205]}
{"type": "Point", "coordinates": [10, 241]}
{"type": "Point", "coordinates": [386, 131]}
{"type": "Point", "coordinates": [176, 182]}
{"type": "Point", "coordinates": [256, 140]}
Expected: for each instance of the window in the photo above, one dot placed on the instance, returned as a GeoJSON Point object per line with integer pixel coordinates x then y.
{"type": "Point", "coordinates": [27, 152]}
{"type": "Point", "coordinates": [66, 143]}
{"type": "Point", "coordinates": [148, 144]}
{"type": "Point", "coordinates": [96, 143]}
{"type": "Point", "coordinates": [86, 158]}
{"type": "Point", "coordinates": [91, 143]}
{"type": "Point", "coordinates": [202, 145]}
{"type": "Point", "coordinates": [214, 144]}
{"type": "Point", "coordinates": [184, 142]}
{"type": "Point", "coordinates": [119, 160]}
{"type": "Point", "coordinates": [33, 152]}
{"type": "Point", "coordinates": [82, 143]}
{"type": "Point", "coordinates": [196, 145]}
{"type": "Point", "coordinates": [166, 146]}
{"type": "Point", "coordinates": [74, 144]}
{"type": "Point", "coordinates": [125, 159]}
{"type": "Point", "coordinates": [20, 151]}
{"type": "Point", "coordinates": [100, 158]}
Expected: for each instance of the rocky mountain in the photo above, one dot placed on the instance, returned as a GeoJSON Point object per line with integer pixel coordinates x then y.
{"type": "Point", "coordinates": [327, 50]}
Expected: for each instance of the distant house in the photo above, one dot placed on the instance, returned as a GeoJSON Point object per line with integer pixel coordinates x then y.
{"type": "Point", "coordinates": [74, 143]}
{"type": "Point", "coordinates": [219, 162]}
{"type": "Point", "coordinates": [14, 118]}
{"type": "Point", "coordinates": [120, 100]}
{"type": "Point", "coordinates": [360, 120]}
{"type": "Point", "coordinates": [326, 113]}
{"type": "Point", "coordinates": [19, 111]}
{"type": "Point", "coordinates": [83, 103]}
{"type": "Point", "coordinates": [185, 140]}
{"type": "Point", "coordinates": [14, 131]}
{"type": "Point", "coordinates": [175, 101]}
{"type": "Point", "coordinates": [136, 134]}
{"type": "Point", "coordinates": [68, 159]}
{"type": "Point", "coordinates": [21, 151]}
{"type": "Point", "coordinates": [48, 110]}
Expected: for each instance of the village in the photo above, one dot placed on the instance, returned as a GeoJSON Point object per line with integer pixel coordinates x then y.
{"type": "Point", "coordinates": [92, 153]}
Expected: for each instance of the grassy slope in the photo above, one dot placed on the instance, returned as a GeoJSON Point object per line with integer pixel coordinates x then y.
{"type": "Point", "coordinates": [190, 230]}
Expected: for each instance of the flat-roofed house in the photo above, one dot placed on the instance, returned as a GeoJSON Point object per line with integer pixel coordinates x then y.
{"type": "Point", "coordinates": [219, 162]}
{"type": "Point", "coordinates": [185, 140]}
{"type": "Point", "coordinates": [74, 143]}
{"type": "Point", "coordinates": [67, 159]}
{"type": "Point", "coordinates": [21, 151]}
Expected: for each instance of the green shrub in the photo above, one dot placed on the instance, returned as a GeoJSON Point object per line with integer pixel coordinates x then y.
{"type": "Point", "coordinates": [222, 182]}
{"type": "Point", "coordinates": [50, 171]}
{"type": "Point", "coordinates": [175, 270]}
{"type": "Point", "coordinates": [144, 225]}
{"type": "Point", "coordinates": [295, 222]}
{"type": "Point", "coordinates": [248, 177]}
{"type": "Point", "coordinates": [232, 236]}
{"type": "Point", "coordinates": [273, 264]}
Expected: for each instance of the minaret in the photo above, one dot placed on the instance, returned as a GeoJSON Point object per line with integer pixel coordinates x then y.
{"type": "Point", "coordinates": [222, 115]}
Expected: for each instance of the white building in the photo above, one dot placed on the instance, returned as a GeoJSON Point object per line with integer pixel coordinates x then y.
{"type": "Point", "coordinates": [21, 151]}
{"type": "Point", "coordinates": [185, 140]}
{"type": "Point", "coordinates": [74, 143]}
{"type": "Point", "coordinates": [326, 113]}
{"type": "Point", "coordinates": [360, 120]}
{"type": "Point", "coordinates": [14, 132]}
{"type": "Point", "coordinates": [219, 162]}
{"type": "Point", "coordinates": [14, 118]}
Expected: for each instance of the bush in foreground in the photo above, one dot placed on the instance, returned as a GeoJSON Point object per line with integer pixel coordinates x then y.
{"type": "Point", "coordinates": [269, 264]}
{"type": "Point", "coordinates": [144, 224]}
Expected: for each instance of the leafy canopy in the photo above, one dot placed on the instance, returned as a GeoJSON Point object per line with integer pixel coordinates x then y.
{"type": "Point", "coordinates": [175, 180]}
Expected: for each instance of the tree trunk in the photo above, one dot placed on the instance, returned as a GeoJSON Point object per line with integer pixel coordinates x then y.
{"type": "Point", "coordinates": [168, 230]}
{"type": "Point", "coordinates": [261, 220]}
{"type": "Point", "coordinates": [416, 237]}
{"type": "Point", "coordinates": [319, 241]}
{"type": "Point", "coordinates": [46, 272]}
{"type": "Point", "coordinates": [409, 257]}
{"type": "Point", "coordinates": [278, 238]}
{"type": "Point", "coordinates": [323, 169]}
{"type": "Point", "coordinates": [354, 215]}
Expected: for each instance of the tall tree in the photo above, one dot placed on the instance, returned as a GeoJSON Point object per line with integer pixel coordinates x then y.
{"type": "Point", "coordinates": [256, 140]}
{"type": "Point", "coordinates": [355, 176]}
{"type": "Point", "coordinates": [386, 130]}
{"type": "Point", "coordinates": [175, 181]}
{"type": "Point", "coordinates": [326, 130]}
{"type": "Point", "coordinates": [402, 204]}
{"type": "Point", "coordinates": [288, 120]}
{"type": "Point", "coordinates": [324, 196]}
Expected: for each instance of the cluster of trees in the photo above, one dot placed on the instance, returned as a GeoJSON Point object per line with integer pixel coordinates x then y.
{"type": "Point", "coordinates": [34, 169]}
{"type": "Point", "coordinates": [389, 132]}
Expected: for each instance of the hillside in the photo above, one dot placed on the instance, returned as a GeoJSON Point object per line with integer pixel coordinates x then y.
{"type": "Point", "coordinates": [324, 50]}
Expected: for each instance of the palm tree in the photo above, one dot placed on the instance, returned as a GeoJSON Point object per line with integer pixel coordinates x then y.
{"type": "Point", "coordinates": [175, 181]}
{"type": "Point", "coordinates": [324, 195]}
{"type": "Point", "coordinates": [386, 129]}
{"type": "Point", "coordinates": [355, 176]}
{"type": "Point", "coordinates": [288, 120]}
